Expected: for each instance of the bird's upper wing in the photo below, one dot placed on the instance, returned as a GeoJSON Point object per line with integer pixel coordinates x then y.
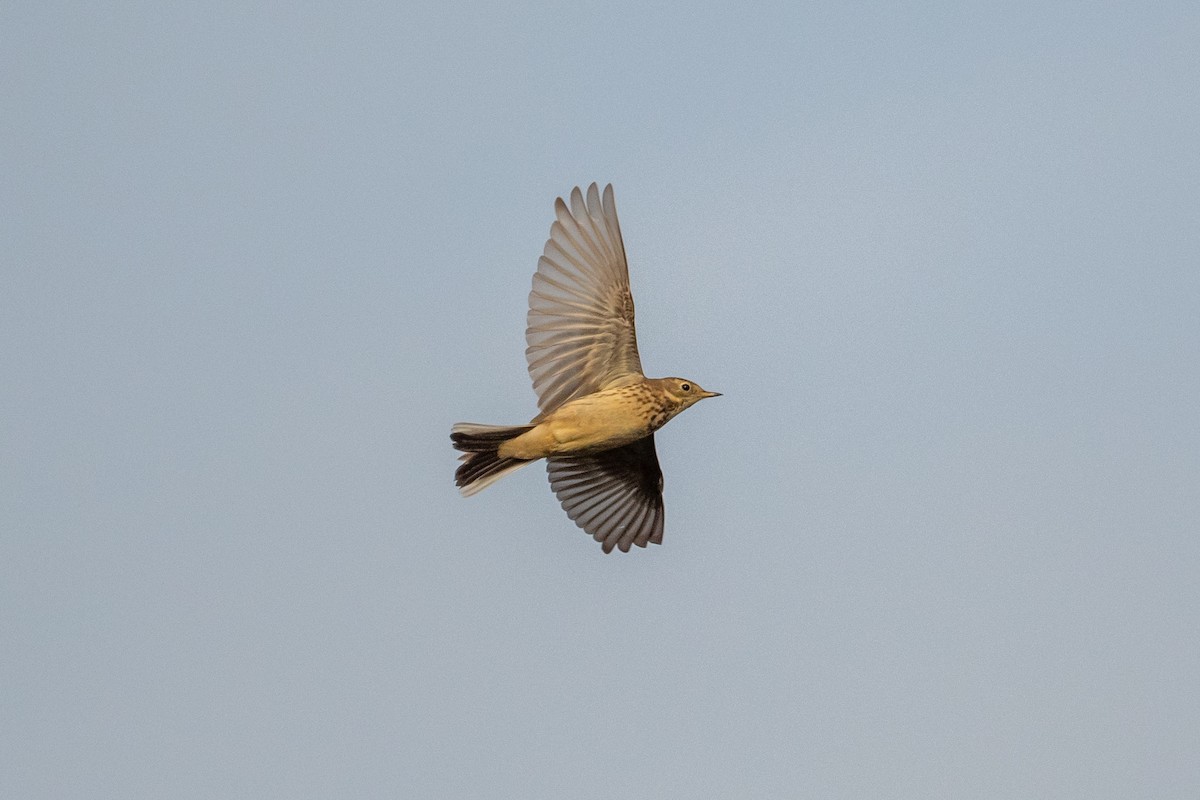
{"type": "Point", "coordinates": [580, 324]}
{"type": "Point", "coordinates": [615, 495]}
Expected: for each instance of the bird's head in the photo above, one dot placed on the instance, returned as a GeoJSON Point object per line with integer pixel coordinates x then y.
{"type": "Point", "coordinates": [684, 393]}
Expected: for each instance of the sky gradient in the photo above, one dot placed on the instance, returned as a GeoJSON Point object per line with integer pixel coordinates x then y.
{"type": "Point", "coordinates": [937, 539]}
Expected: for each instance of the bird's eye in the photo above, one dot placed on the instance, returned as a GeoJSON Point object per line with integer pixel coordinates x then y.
{"type": "Point", "coordinates": [687, 387]}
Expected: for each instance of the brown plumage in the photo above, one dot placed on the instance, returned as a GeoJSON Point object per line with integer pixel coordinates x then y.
{"type": "Point", "coordinates": [598, 411]}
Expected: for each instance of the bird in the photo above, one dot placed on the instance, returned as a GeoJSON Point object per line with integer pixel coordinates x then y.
{"type": "Point", "coordinates": [597, 410]}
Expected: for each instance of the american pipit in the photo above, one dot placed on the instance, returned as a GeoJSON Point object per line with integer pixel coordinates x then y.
{"type": "Point", "coordinates": [598, 411]}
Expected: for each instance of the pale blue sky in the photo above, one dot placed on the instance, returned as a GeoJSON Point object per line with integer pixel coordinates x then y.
{"type": "Point", "coordinates": [938, 539]}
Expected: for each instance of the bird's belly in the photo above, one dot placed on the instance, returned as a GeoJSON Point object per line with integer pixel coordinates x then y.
{"type": "Point", "coordinates": [584, 427]}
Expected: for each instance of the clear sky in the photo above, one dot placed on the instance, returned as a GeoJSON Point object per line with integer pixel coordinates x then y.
{"type": "Point", "coordinates": [938, 539]}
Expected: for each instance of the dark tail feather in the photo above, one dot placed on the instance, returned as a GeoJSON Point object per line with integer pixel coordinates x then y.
{"type": "Point", "coordinates": [481, 465]}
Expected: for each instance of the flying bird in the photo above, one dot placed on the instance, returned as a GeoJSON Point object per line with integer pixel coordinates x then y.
{"type": "Point", "coordinates": [598, 412]}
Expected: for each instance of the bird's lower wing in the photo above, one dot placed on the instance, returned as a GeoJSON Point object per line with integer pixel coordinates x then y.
{"type": "Point", "coordinates": [616, 495]}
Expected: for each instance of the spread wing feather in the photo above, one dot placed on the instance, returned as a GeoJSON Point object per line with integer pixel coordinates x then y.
{"type": "Point", "coordinates": [580, 330]}
{"type": "Point", "coordinates": [615, 495]}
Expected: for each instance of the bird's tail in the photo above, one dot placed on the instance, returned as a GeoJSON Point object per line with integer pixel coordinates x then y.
{"type": "Point", "coordinates": [481, 465]}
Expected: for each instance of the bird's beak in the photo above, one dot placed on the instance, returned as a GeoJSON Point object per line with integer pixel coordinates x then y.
{"type": "Point", "coordinates": [711, 394]}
